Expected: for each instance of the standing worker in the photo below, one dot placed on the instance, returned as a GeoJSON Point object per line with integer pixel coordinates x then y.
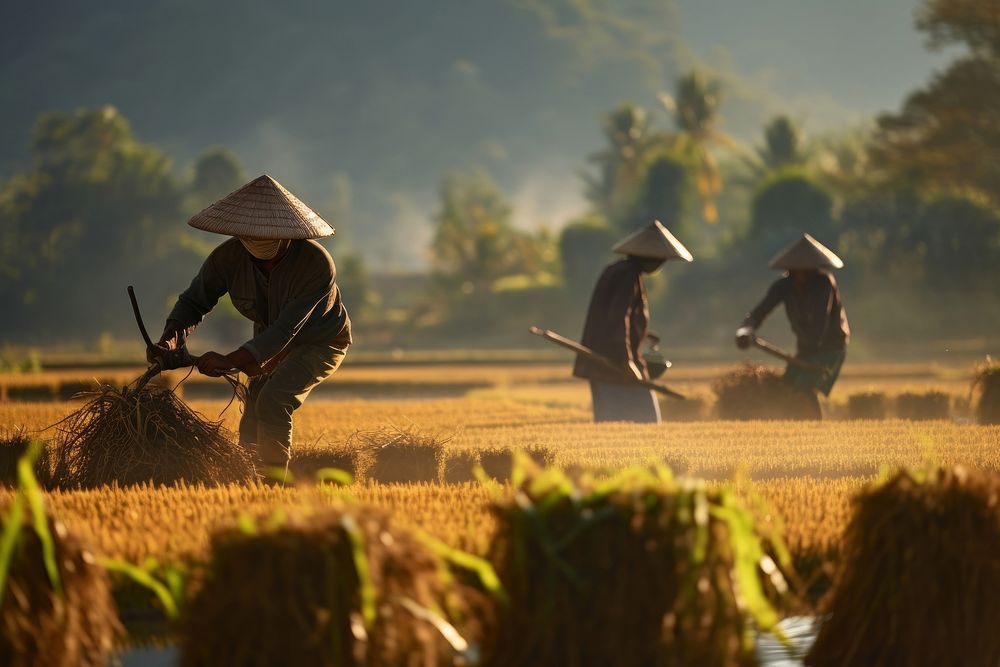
{"type": "Point", "coordinates": [285, 283]}
{"type": "Point", "coordinates": [816, 312]}
{"type": "Point", "coordinates": [617, 327]}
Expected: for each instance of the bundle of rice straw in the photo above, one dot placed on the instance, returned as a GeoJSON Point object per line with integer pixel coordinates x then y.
{"type": "Point", "coordinates": [640, 570]}
{"type": "Point", "coordinates": [13, 445]}
{"type": "Point", "coordinates": [131, 437]}
{"type": "Point", "coordinates": [919, 575]}
{"type": "Point", "coordinates": [394, 455]}
{"type": "Point", "coordinates": [342, 588]}
{"type": "Point", "coordinates": [987, 385]}
{"type": "Point", "coordinates": [56, 608]}
{"type": "Point", "coordinates": [867, 405]}
{"type": "Point", "coordinates": [924, 406]}
{"type": "Point", "coordinates": [756, 392]}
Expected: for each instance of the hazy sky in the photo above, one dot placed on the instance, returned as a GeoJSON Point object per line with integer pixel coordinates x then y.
{"type": "Point", "coordinates": [826, 57]}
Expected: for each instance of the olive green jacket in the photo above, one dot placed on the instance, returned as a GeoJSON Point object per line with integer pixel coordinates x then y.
{"type": "Point", "coordinates": [297, 304]}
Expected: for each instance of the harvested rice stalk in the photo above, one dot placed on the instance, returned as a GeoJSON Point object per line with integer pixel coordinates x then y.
{"type": "Point", "coordinates": [923, 407]}
{"type": "Point", "coordinates": [498, 463]}
{"type": "Point", "coordinates": [147, 435]}
{"type": "Point", "coordinates": [639, 570]}
{"type": "Point", "coordinates": [343, 587]}
{"type": "Point", "coordinates": [393, 455]}
{"type": "Point", "coordinates": [919, 575]}
{"type": "Point", "coordinates": [987, 385]}
{"type": "Point", "coordinates": [56, 608]}
{"type": "Point", "coordinates": [13, 445]}
{"type": "Point", "coordinates": [308, 463]}
{"type": "Point", "coordinates": [756, 392]}
{"type": "Point", "coordinates": [867, 405]}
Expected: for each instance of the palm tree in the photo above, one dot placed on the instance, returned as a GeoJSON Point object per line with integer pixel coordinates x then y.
{"type": "Point", "coordinates": [619, 164]}
{"type": "Point", "coordinates": [695, 110]}
{"type": "Point", "coordinates": [784, 144]}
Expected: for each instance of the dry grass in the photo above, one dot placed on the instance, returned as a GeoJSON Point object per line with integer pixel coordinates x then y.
{"type": "Point", "coordinates": [926, 406]}
{"type": "Point", "coordinates": [641, 572]}
{"type": "Point", "coordinates": [919, 575]}
{"type": "Point", "coordinates": [69, 621]}
{"type": "Point", "coordinates": [133, 437]}
{"type": "Point", "coordinates": [292, 591]}
{"type": "Point", "coordinates": [868, 405]}
{"type": "Point", "coordinates": [755, 392]}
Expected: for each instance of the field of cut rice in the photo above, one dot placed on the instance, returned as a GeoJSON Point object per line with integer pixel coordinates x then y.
{"type": "Point", "coordinates": [808, 471]}
{"type": "Point", "coordinates": [413, 454]}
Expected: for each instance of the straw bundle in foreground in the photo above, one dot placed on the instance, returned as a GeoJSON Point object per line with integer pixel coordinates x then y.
{"type": "Point", "coordinates": [146, 435]}
{"type": "Point", "coordinates": [639, 571]}
{"type": "Point", "coordinates": [343, 588]}
{"type": "Point", "coordinates": [756, 392]}
{"type": "Point", "coordinates": [69, 620]}
{"type": "Point", "coordinates": [919, 575]}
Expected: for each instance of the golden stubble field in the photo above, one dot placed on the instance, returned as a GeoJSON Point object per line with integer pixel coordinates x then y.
{"type": "Point", "coordinates": [807, 472]}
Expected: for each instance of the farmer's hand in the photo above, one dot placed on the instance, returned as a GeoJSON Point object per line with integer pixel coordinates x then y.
{"type": "Point", "coordinates": [170, 340]}
{"type": "Point", "coordinates": [214, 364]}
{"type": "Point", "coordinates": [744, 337]}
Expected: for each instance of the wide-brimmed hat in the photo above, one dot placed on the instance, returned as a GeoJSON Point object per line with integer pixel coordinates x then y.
{"type": "Point", "coordinates": [804, 254]}
{"type": "Point", "coordinates": [653, 241]}
{"type": "Point", "coordinates": [262, 209]}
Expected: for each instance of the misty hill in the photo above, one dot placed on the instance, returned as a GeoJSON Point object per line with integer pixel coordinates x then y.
{"type": "Point", "coordinates": [362, 107]}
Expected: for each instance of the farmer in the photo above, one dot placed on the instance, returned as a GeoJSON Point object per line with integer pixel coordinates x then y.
{"type": "Point", "coordinates": [616, 327]}
{"type": "Point", "coordinates": [285, 283]}
{"type": "Point", "coordinates": [815, 310]}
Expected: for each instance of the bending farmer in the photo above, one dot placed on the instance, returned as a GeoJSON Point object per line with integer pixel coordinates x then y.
{"type": "Point", "coordinates": [816, 312]}
{"type": "Point", "coordinates": [285, 283]}
{"type": "Point", "coordinates": [616, 327]}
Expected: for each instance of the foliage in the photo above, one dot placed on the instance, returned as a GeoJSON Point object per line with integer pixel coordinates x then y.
{"type": "Point", "coordinates": [474, 243]}
{"type": "Point", "coordinates": [784, 146]}
{"type": "Point", "coordinates": [694, 108]}
{"type": "Point", "coordinates": [929, 141]}
{"type": "Point", "coordinates": [585, 247]}
{"type": "Point", "coordinates": [216, 173]}
{"type": "Point", "coordinates": [789, 203]}
{"type": "Point", "coordinates": [95, 208]}
{"type": "Point", "coordinates": [628, 137]}
{"type": "Point", "coordinates": [663, 194]}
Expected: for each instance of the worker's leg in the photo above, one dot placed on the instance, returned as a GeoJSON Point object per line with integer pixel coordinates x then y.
{"type": "Point", "coordinates": [811, 407]}
{"type": "Point", "coordinates": [283, 392]}
{"type": "Point", "coordinates": [616, 402]}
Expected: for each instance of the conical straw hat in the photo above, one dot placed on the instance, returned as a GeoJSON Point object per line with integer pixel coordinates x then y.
{"type": "Point", "coordinates": [655, 242]}
{"type": "Point", "coordinates": [262, 209]}
{"type": "Point", "coordinates": [806, 253]}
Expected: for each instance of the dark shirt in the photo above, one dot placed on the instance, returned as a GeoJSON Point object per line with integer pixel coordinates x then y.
{"type": "Point", "coordinates": [815, 312]}
{"type": "Point", "coordinates": [296, 303]}
{"type": "Point", "coordinates": [616, 323]}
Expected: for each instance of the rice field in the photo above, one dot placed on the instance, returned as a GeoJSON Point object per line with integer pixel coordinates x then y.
{"type": "Point", "coordinates": [806, 471]}
{"type": "Point", "coordinates": [453, 417]}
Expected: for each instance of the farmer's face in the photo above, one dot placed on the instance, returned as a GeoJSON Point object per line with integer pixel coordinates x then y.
{"type": "Point", "coordinates": [650, 265]}
{"type": "Point", "coordinates": [801, 276]}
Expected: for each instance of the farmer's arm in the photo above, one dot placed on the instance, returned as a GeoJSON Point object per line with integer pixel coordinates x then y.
{"type": "Point", "coordinates": [208, 286]}
{"type": "Point", "coordinates": [774, 296]}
